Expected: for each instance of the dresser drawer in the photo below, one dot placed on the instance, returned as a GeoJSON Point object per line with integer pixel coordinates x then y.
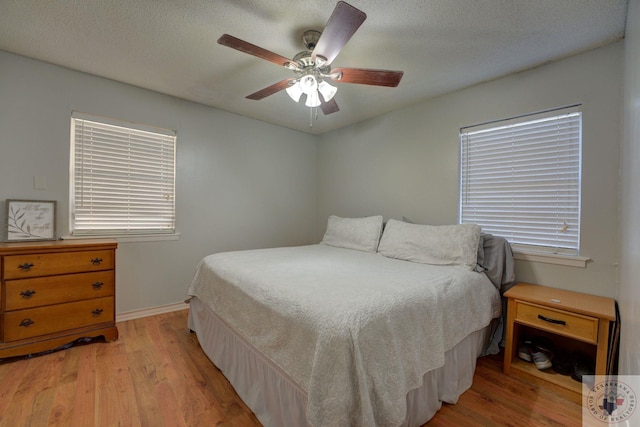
{"type": "Point", "coordinates": [577, 326]}
{"type": "Point", "coordinates": [33, 322]}
{"type": "Point", "coordinates": [34, 265]}
{"type": "Point", "coordinates": [39, 291]}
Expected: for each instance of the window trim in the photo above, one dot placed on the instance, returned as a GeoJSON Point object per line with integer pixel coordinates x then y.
{"type": "Point", "coordinates": [129, 238]}
{"type": "Point", "coordinates": [549, 258]}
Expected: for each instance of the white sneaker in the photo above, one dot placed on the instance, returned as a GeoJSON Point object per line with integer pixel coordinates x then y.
{"type": "Point", "coordinates": [524, 351]}
{"type": "Point", "coordinates": [541, 358]}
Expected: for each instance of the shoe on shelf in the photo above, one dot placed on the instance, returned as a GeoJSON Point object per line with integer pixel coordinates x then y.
{"type": "Point", "coordinates": [562, 364]}
{"type": "Point", "coordinates": [544, 344]}
{"type": "Point", "coordinates": [581, 366]}
{"type": "Point", "coordinates": [524, 350]}
{"type": "Point", "coordinates": [541, 353]}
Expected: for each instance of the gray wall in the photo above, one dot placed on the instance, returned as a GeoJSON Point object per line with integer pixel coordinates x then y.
{"type": "Point", "coordinates": [629, 295]}
{"type": "Point", "coordinates": [405, 163]}
{"type": "Point", "coordinates": [244, 184]}
{"type": "Point", "coordinates": [241, 183]}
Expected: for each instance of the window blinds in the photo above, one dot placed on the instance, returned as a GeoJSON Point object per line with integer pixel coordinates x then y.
{"type": "Point", "coordinates": [521, 181]}
{"type": "Point", "coordinates": [123, 179]}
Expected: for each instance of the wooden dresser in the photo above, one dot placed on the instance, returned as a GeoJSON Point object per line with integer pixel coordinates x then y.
{"type": "Point", "coordinates": [53, 293]}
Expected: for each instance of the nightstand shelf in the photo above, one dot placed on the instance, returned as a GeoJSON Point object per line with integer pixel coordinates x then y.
{"type": "Point", "coordinates": [575, 321]}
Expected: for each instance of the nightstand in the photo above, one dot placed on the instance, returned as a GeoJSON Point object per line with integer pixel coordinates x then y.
{"type": "Point", "coordinates": [572, 320]}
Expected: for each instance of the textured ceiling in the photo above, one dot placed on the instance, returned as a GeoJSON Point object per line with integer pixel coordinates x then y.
{"type": "Point", "coordinates": [169, 46]}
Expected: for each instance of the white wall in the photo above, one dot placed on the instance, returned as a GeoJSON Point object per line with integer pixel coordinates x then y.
{"type": "Point", "coordinates": [405, 163]}
{"type": "Point", "coordinates": [629, 295]}
{"type": "Point", "coordinates": [240, 183]}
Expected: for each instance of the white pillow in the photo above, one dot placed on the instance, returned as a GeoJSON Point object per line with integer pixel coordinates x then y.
{"type": "Point", "coordinates": [455, 245]}
{"type": "Point", "coordinates": [362, 234]}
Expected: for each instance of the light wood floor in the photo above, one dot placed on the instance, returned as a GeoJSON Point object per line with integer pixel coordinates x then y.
{"type": "Point", "coordinates": [157, 375]}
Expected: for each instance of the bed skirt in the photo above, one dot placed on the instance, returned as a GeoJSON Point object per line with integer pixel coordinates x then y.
{"type": "Point", "coordinates": [278, 401]}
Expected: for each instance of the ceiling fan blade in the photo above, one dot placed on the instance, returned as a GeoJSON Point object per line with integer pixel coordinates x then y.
{"type": "Point", "coordinates": [366, 76]}
{"type": "Point", "coordinates": [270, 90]}
{"type": "Point", "coordinates": [331, 106]}
{"type": "Point", "coordinates": [251, 49]}
{"type": "Point", "coordinates": [342, 24]}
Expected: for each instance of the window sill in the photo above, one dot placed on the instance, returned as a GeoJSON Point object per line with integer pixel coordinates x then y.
{"type": "Point", "coordinates": [558, 259]}
{"type": "Point", "coordinates": [130, 238]}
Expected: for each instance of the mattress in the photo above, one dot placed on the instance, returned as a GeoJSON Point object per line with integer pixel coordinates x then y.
{"type": "Point", "coordinates": [354, 331]}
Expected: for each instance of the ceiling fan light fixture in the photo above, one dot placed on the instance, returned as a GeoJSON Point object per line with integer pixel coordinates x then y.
{"type": "Point", "coordinates": [308, 84]}
{"type": "Point", "coordinates": [294, 92]}
{"type": "Point", "coordinates": [313, 100]}
{"type": "Point", "coordinates": [328, 91]}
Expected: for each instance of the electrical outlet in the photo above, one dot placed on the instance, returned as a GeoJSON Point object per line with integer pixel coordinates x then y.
{"type": "Point", "coordinates": [39, 183]}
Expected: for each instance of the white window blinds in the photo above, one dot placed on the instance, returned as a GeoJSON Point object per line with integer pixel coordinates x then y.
{"type": "Point", "coordinates": [122, 179]}
{"type": "Point", "coordinates": [521, 181]}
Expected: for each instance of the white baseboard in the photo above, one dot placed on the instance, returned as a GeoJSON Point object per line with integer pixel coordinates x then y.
{"type": "Point", "coordinates": [152, 311]}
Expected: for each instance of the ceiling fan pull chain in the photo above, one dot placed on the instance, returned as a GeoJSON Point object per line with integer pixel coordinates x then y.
{"type": "Point", "coordinates": [313, 111]}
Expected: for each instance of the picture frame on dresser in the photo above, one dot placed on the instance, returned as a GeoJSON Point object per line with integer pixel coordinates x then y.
{"type": "Point", "coordinates": [30, 220]}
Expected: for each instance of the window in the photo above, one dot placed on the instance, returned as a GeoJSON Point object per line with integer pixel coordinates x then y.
{"type": "Point", "coordinates": [520, 179]}
{"type": "Point", "coordinates": [122, 178]}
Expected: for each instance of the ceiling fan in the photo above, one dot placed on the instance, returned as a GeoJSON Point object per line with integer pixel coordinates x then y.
{"type": "Point", "coordinates": [312, 66]}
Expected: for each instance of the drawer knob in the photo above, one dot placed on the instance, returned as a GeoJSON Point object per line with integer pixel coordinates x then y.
{"type": "Point", "coordinates": [26, 323]}
{"type": "Point", "coordinates": [27, 294]}
{"type": "Point", "coordinates": [97, 285]}
{"type": "Point", "coordinates": [96, 261]}
{"type": "Point", "coordinates": [97, 312]}
{"type": "Point", "coordinates": [26, 266]}
{"type": "Point", "coordinates": [550, 320]}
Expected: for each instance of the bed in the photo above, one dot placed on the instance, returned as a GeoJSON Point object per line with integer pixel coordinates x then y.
{"type": "Point", "coordinates": [366, 328]}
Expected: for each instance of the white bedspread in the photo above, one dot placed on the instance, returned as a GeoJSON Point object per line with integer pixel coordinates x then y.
{"type": "Point", "coordinates": [354, 329]}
